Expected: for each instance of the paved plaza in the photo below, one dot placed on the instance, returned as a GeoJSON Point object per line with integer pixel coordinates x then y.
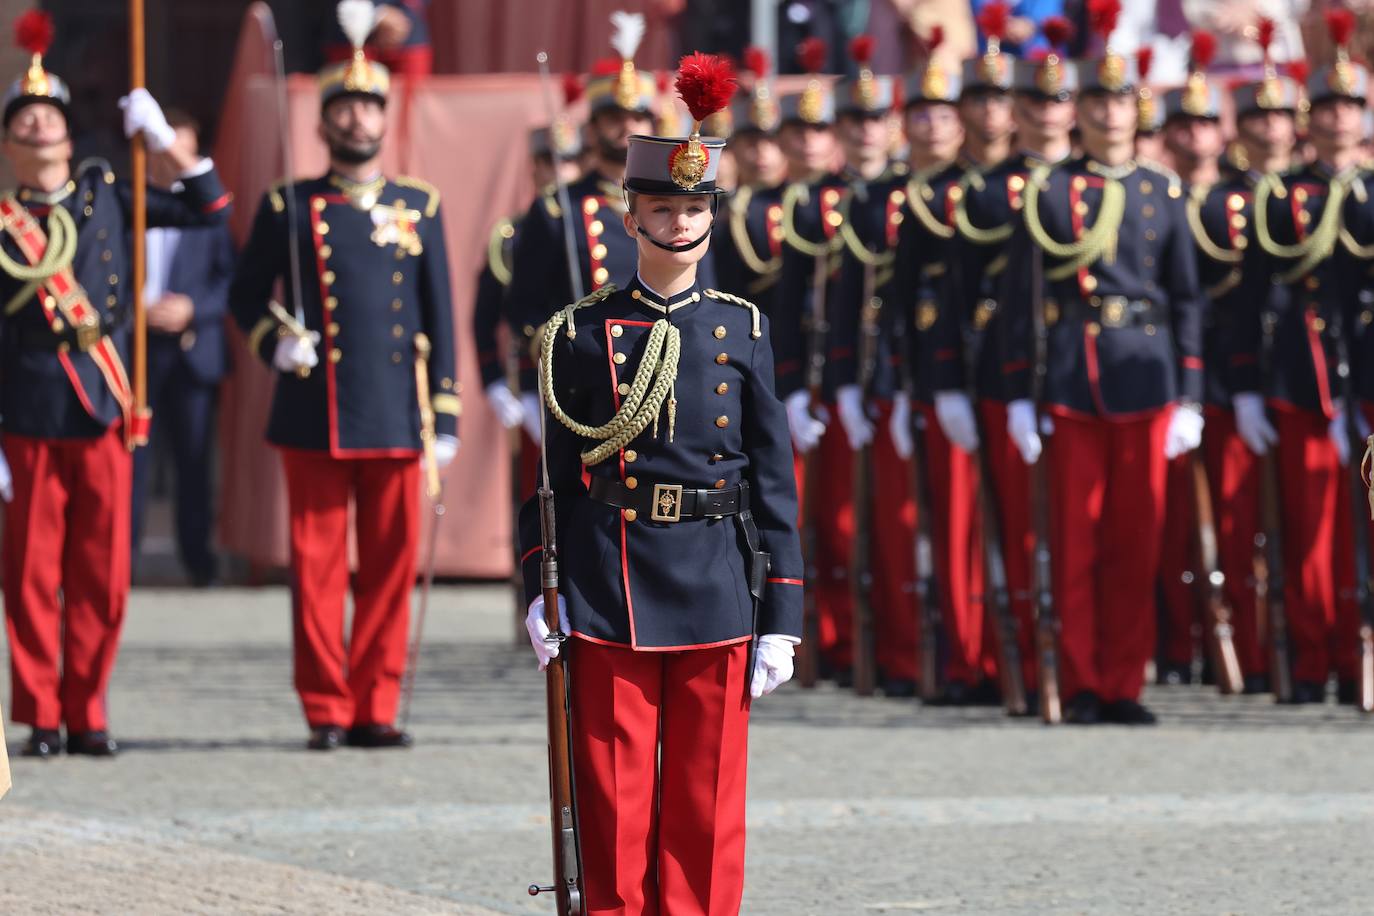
{"type": "Point", "coordinates": [856, 806]}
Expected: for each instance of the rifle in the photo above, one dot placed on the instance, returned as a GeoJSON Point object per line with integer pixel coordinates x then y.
{"type": "Point", "coordinates": [1364, 593]}
{"type": "Point", "coordinates": [808, 657]}
{"type": "Point", "coordinates": [1218, 632]}
{"type": "Point", "coordinates": [567, 847]}
{"type": "Point", "coordinates": [998, 595]}
{"type": "Point", "coordinates": [1269, 591]}
{"type": "Point", "coordinates": [1046, 621]}
{"type": "Point", "coordinates": [861, 575]}
{"type": "Point", "coordinates": [927, 585]}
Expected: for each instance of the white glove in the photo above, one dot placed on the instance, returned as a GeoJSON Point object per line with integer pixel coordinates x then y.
{"type": "Point", "coordinates": [1184, 433]}
{"type": "Point", "coordinates": [508, 408]}
{"type": "Point", "coordinates": [295, 352]}
{"type": "Point", "coordinates": [1339, 436]}
{"type": "Point", "coordinates": [1021, 429]}
{"type": "Point", "coordinates": [143, 113]}
{"type": "Point", "coordinates": [1252, 425]}
{"type": "Point", "coordinates": [899, 426]}
{"type": "Point", "coordinates": [772, 664]}
{"type": "Point", "coordinates": [806, 428]}
{"type": "Point", "coordinates": [545, 648]}
{"type": "Point", "coordinates": [853, 417]}
{"type": "Point", "coordinates": [6, 479]}
{"type": "Point", "coordinates": [445, 450]}
{"type": "Point", "coordinates": [954, 410]}
{"type": "Point", "coordinates": [533, 407]}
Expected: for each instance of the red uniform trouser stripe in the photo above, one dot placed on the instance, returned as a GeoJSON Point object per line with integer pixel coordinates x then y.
{"type": "Point", "coordinates": [1012, 484]}
{"type": "Point", "coordinates": [67, 533]}
{"type": "Point", "coordinates": [891, 555]}
{"type": "Point", "coordinates": [1107, 515]}
{"type": "Point", "coordinates": [953, 482]}
{"type": "Point", "coordinates": [359, 685]}
{"type": "Point", "coordinates": [1317, 552]}
{"type": "Point", "coordinates": [660, 744]}
{"type": "Point", "coordinates": [1177, 561]}
{"type": "Point", "coordinates": [1233, 472]}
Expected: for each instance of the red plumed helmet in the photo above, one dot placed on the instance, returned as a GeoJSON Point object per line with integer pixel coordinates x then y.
{"type": "Point", "coordinates": [706, 83]}
{"type": "Point", "coordinates": [756, 61]}
{"type": "Point", "coordinates": [572, 89]}
{"type": "Point", "coordinates": [1144, 59]}
{"type": "Point", "coordinates": [812, 53]}
{"type": "Point", "coordinates": [861, 49]}
{"type": "Point", "coordinates": [1103, 15]}
{"type": "Point", "coordinates": [1341, 24]}
{"type": "Point", "coordinates": [992, 20]}
{"type": "Point", "coordinates": [1265, 33]}
{"type": "Point", "coordinates": [1058, 32]}
{"type": "Point", "coordinates": [1204, 49]}
{"type": "Point", "coordinates": [33, 32]}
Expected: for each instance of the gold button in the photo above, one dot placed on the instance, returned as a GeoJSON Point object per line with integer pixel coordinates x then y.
{"type": "Point", "coordinates": [631, 456]}
{"type": "Point", "coordinates": [1304, 217]}
{"type": "Point", "coordinates": [719, 332]}
{"type": "Point", "coordinates": [396, 278]}
{"type": "Point", "coordinates": [1237, 221]}
{"type": "Point", "coordinates": [1146, 187]}
{"type": "Point", "coordinates": [1242, 242]}
{"type": "Point", "coordinates": [1149, 261]}
{"type": "Point", "coordinates": [830, 196]}
{"type": "Point", "coordinates": [1175, 191]}
{"type": "Point", "coordinates": [1366, 317]}
{"type": "Point", "coordinates": [1300, 195]}
{"type": "Point", "coordinates": [895, 218]}
{"type": "Point", "coordinates": [87, 210]}
{"type": "Point", "coordinates": [1094, 329]}
{"type": "Point", "coordinates": [331, 302]}
{"type": "Point", "coordinates": [322, 227]}
{"type": "Point", "coordinates": [106, 255]}
{"type": "Point", "coordinates": [722, 358]}
{"type": "Point", "coordinates": [397, 331]}
{"type": "Point", "coordinates": [717, 457]}
{"type": "Point", "coordinates": [400, 254]}
{"type": "Point", "coordinates": [328, 278]}
{"type": "Point", "coordinates": [956, 193]}
{"type": "Point", "coordinates": [722, 388]}
{"type": "Point", "coordinates": [319, 204]}
{"type": "Point", "coordinates": [114, 279]}
{"type": "Point", "coordinates": [599, 252]}
{"type": "Point", "coordinates": [590, 205]}
{"type": "Point", "coordinates": [64, 347]}
{"type": "Point", "coordinates": [333, 329]}
{"type": "Point", "coordinates": [1079, 182]}
{"type": "Point", "coordinates": [898, 198]}
{"type": "Point", "coordinates": [617, 330]}
{"type": "Point", "coordinates": [102, 234]}
{"type": "Point", "coordinates": [57, 325]}
{"type": "Point", "coordinates": [600, 275]}
{"type": "Point", "coordinates": [1149, 330]}
{"type": "Point", "coordinates": [1151, 235]}
{"type": "Point", "coordinates": [696, 297]}
{"type": "Point", "coordinates": [631, 482]}
{"type": "Point", "coordinates": [619, 359]}
{"type": "Point", "coordinates": [396, 305]}
{"type": "Point", "coordinates": [834, 218]}
{"type": "Point", "coordinates": [1318, 325]}
{"type": "Point", "coordinates": [635, 295]}
{"type": "Point", "coordinates": [622, 389]}
{"type": "Point", "coordinates": [595, 228]}
{"type": "Point", "coordinates": [722, 422]}
{"type": "Point", "coordinates": [720, 484]}
{"type": "Point", "coordinates": [446, 384]}
{"type": "Point", "coordinates": [326, 251]}
{"type": "Point", "coordinates": [1095, 301]}
{"type": "Point", "coordinates": [777, 234]}
{"type": "Point", "coordinates": [335, 355]}
{"type": "Point", "coordinates": [1147, 211]}
{"type": "Point", "coordinates": [1090, 283]}
{"type": "Point", "coordinates": [1313, 283]}
{"type": "Point", "coordinates": [630, 515]}
{"type": "Point", "coordinates": [1235, 202]}
{"type": "Point", "coordinates": [1016, 182]}
{"type": "Point", "coordinates": [396, 358]}
{"type": "Point", "coordinates": [111, 301]}
{"type": "Point", "coordinates": [1081, 208]}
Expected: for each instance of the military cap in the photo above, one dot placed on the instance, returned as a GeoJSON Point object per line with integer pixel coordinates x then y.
{"type": "Point", "coordinates": [33, 32]}
{"type": "Point", "coordinates": [1343, 78]}
{"type": "Point", "coordinates": [619, 84]}
{"type": "Point", "coordinates": [992, 71]}
{"type": "Point", "coordinates": [934, 83]}
{"type": "Point", "coordinates": [815, 104]}
{"type": "Point", "coordinates": [669, 166]}
{"type": "Point", "coordinates": [1197, 98]}
{"type": "Point", "coordinates": [357, 75]}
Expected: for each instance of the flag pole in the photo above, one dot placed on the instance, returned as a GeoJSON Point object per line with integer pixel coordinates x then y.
{"type": "Point", "coordinates": [138, 168]}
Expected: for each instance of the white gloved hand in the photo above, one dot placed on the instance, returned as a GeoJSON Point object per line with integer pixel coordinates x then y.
{"type": "Point", "coordinates": [899, 426]}
{"type": "Point", "coordinates": [1339, 436]}
{"type": "Point", "coordinates": [6, 479]}
{"type": "Point", "coordinates": [772, 663]}
{"type": "Point", "coordinates": [143, 113]}
{"type": "Point", "coordinates": [533, 407]}
{"type": "Point", "coordinates": [545, 648]}
{"type": "Point", "coordinates": [445, 450]}
{"type": "Point", "coordinates": [954, 410]}
{"type": "Point", "coordinates": [853, 418]}
{"type": "Point", "coordinates": [509, 410]}
{"type": "Point", "coordinates": [1184, 433]}
{"type": "Point", "coordinates": [806, 429]}
{"type": "Point", "coordinates": [295, 352]}
{"type": "Point", "coordinates": [1252, 425]}
{"type": "Point", "coordinates": [1021, 428]}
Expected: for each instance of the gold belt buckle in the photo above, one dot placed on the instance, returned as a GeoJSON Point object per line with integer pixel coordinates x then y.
{"type": "Point", "coordinates": [667, 502]}
{"type": "Point", "coordinates": [88, 335]}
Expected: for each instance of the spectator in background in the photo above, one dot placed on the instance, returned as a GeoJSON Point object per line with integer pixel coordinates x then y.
{"type": "Point", "coordinates": [1023, 26]}
{"type": "Point", "coordinates": [1234, 23]}
{"type": "Point", "coordinates": [186, 293]}
{"type": "Point", "coordinates": [399, 41]}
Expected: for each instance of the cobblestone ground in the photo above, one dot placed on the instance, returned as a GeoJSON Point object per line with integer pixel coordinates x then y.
{"type": "Point", "coordinates": [856, 806]}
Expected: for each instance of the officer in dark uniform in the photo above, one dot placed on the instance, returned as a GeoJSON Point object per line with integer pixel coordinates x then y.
{"type": "Point", "coordinates": [68, 408]}
{"type": "Point", "coordinates": [348, 418]}
{"type": "Point", "coordinates": [669, 455]}
{"type": "Point", "coordinates": [1297, 281]}
{"type": "Point", "coordinates": [1107, 239]}
{"type": "Point", "coordinates": [984, 218]}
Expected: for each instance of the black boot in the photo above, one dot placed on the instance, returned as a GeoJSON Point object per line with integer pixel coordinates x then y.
{"type": "Point", "coordinates": [374, 736]}
{"type": "Point", "coordinates": [1084, 709]}
{"type": "Point", "coordinates": [325, 738]}
{"type": "Point", "coordinates": [91, 744]}
{"type": "Point", "coordinates": [1127, 712]}
{"type": "Point", "coordinates": [1256, 683]}
{"type": "Point", "coordinates": [43, 743]}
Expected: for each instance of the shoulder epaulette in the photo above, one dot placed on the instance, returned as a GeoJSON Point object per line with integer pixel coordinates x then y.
{"type": "Point", "coordinates": [419, 184]}
{"type": "Point", "coordinates": [1159, 168]}
{"type": "Point", "coordinates": [274, 195]}
{"type": "Point", "coordinates": [503, 231]}
{"type": "Point", "coordinates": [756, 331]}
{"type": "Point", "coordinates": [95, 162]}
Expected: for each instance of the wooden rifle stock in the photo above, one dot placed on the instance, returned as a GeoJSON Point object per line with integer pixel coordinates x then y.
{"type": "Point", "coordinates": [861, 574]}
{"type": "Point", "coordinates": [808, 653]}
{"type": "Point", "coordinates": [1218, 632]}
{"type": "Point", "coordinates": [1270, 590]}
{"type": "Point", "coordinates": [927, 586]}
{"type": "Point", "coordinates": [1046, 620]}
{"type": "Point", "coordinates": [997, 595]}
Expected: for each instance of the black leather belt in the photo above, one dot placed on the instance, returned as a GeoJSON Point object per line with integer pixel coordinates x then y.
{"type": "Point", "coordinates": [1108, 311]}
{"type": "Point", "coordinates": [669, 502]}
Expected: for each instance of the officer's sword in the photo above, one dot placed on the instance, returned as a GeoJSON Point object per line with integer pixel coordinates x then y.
{"type": "Point", "coordinates": [564, 202]}
{"type": "Point", "coordinates": [289, 187]}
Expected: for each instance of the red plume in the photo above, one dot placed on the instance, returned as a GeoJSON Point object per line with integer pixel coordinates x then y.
{"type": "Point", "coordinates": [1144, 59]}
{"type": "Point", "coordinates": [572, 89]}
{"type": "Point", "coordinates": [992, 19]}
{"type": "Point", "coordinates": [1297, 71]}
{"type": "Point", "coordinates": [812, 53]}
{"type": "Point", "coordinates": [1204, 49]}
{"type": "Point", "coordinates": [1037, 55]}
{"type": "Point", "coordinates": [1058, 32]}
{"type": "Point", "coordinates": [1341, 24]}
{"type": "Point", "coordinates": [935, 39]}
{"type": "Point", "coordinates": [33, 32]}
{"type": "Point", "coordinates": [1103, 15]}
{"type": "Point", "coordinates": [861, 49]}
{"type": "Point", "coordinates": [756, 61]}
{"type": "Point", "coordinates": [706, 83]}
{"type": "Point", "coordinates": [607, 66]}
{"type": "Point", "coordinates": [1265, 36]}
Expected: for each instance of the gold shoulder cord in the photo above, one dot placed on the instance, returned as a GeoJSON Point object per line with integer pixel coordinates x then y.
{"type": "Point", "coordinates": [972, 180]}
{"type": "Point", "coordinates": [57, 257]}
{"type": "Point", "coordinates": [1196, 198]}
{"type": "Point", "coordinates": [1094, 242]}
{"type": "Point", "coordinates": [1362, 252]}
{"type": "Point", "coordinates": [496, 251]}
{"type": "Point", "coordinates": [857, 248]}
{"type": "Point", "coordinates": [652, 384]}
{"type": "Point", "coordinates": [1312, 250]}
{"type": "Point", "coordinates": [916, 189]}
{"type": "Point", "coordinates": [798, 193]}
{"type": "Point", "coordinates": [756, 332]}
{"type": "Point", "coordinates": [739, 233]}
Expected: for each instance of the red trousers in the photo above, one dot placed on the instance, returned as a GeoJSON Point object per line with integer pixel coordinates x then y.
{"type": "Point", "coordinates": [1318, 552]}
{"type": "Point", "coordinates": [892, 554]}
{"type": "Point", "coordinates": [1177, 562]}
{"type": "Point", "coordinates": [1233, 474]}
{"type": "Point", "coordinates": [660, 753]}
{"type": "Point", "coordinates": [1011, 485]}
{"type": "Point", "coordinates": [360, 684]}
{"type": "Point", "coordinates": [66, 567]}
{"type": "Point", "coordinates": [1106, 515]}
{"type": "Point", "coordinates": [952, 478]}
